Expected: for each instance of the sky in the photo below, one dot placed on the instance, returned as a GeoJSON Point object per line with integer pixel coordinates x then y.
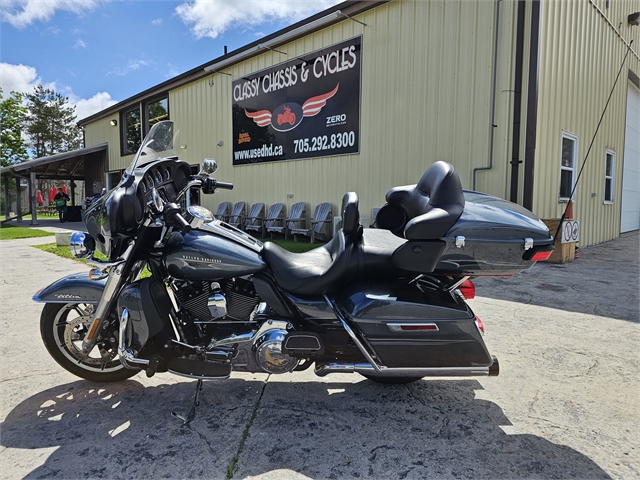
{"type": "Point", "coordinates": [100, 52]}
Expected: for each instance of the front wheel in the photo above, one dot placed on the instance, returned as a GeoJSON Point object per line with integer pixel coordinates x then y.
{"type": "Point", "coordinates": [64, 326]}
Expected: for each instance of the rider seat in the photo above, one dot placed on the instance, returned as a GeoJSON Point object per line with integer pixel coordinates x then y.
{"type": "Point", "coordinates": [320, 270]}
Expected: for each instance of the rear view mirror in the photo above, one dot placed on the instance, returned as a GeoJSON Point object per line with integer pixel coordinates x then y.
{"type": "Point", "coordinates": [209, 166]}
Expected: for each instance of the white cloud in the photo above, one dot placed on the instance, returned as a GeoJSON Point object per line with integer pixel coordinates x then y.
{"type": "Point", "coordinates": [87, 107]}
{"type": "Point", "coordinates": [79, 44]}
{"type": "Point", "coordinates": [157, 22]}
{"type": "Point", "coordinates": [23, 78]}
{"type": "Point", "coordinates": [21, 13]}
{"type": "Point", "coordinates": [131, 66]}
{"type": "Point", "coordinates": [211, 18]}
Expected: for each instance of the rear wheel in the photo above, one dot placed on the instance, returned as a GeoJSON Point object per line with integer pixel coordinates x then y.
{"type": "Point", "coordinates": [391, 380]}
{"type": "Point", "coordinates": [64, 326]}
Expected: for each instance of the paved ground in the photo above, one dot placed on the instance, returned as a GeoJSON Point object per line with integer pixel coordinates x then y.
{"type": "Point", "coordinates": [566, 403]}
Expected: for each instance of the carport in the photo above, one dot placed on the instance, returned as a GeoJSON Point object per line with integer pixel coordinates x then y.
{"type": "Point", "coordinates": [86, 164]}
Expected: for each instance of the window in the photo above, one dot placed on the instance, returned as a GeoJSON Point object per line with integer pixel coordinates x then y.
{"type": "Point", "coordinates": [568, 162]}
{"type": "Point", "coordinates": [131, 131]}
{"type": "Point", "coordinates": [138, 120]}
{"type": "Point", "coordinates": [609, 170]}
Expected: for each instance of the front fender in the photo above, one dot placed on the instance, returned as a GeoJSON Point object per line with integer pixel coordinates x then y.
{"type": "Point", "coordinates": [76, 288]}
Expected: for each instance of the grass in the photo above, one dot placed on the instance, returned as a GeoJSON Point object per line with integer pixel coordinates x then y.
{"type": "Point", "coordinates": [11, 232]}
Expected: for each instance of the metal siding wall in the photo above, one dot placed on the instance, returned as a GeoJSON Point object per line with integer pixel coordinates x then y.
{"type": "Point", "coordinates": [580, 57]}
{"type": "Point", "coordinates": [426, 96]}
{"type": "Point", "coordinates": [101, 131]}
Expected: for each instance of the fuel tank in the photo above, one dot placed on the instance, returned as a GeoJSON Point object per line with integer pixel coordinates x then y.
{"type": "Point", "coordinates": [202, 255]}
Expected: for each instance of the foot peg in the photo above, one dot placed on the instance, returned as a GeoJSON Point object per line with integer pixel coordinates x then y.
{"type": "Point", "coordinates": [196, 402]}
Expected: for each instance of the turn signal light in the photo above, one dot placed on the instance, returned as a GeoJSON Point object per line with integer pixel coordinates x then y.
{"type": "Point", "coordinates": [541, 256]}
{"type": "Point", "coordinates": [468, 289]}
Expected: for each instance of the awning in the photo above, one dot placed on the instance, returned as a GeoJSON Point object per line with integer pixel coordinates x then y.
{"type": "Point", "coordinates": [62, 166]}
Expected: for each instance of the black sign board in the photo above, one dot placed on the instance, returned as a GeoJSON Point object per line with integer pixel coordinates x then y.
{"type": "Point", "coordinates": [305, 107]}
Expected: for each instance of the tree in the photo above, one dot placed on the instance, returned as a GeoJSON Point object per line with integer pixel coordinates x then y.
{"type": "Point", "coordinates": [13, 148]}
{"type": "Point", "coordinates": [50, 123]}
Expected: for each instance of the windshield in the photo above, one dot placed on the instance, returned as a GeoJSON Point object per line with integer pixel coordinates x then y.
{"type": "Point", "coordinates": [162, 141]}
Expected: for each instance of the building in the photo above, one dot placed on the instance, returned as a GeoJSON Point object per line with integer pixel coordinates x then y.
{"type": "Point", "coordinates": [366, 95]}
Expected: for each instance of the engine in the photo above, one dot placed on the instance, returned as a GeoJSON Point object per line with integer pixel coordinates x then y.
{"type": "Point", "coordinates": [212, 302]}
{"type": "Point", "coordinates": [217, 306]}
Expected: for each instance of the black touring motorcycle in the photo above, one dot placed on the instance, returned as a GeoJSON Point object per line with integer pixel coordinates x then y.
{"type": "Point", "coordinates": [385, 302]}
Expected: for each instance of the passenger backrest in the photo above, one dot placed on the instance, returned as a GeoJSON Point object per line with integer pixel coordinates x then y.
{"type": "Point", "coordinates": [427, 210]}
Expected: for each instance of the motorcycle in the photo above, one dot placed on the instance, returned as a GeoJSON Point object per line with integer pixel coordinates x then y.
{"type": "Point", "coordinates": [388, 302]}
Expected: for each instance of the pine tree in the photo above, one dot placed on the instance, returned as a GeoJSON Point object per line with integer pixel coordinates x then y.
{"type": "Point", "coordinates": [13, 148]}
{"type": "Point", "coordinates": [50, 123]}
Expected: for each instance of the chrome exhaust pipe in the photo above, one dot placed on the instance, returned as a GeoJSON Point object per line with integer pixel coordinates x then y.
{"type": "Point", "coordinates": [324, 369]}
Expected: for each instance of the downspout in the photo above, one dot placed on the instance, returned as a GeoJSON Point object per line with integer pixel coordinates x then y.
{"type": "Point", "coordinates": [493, 95]}
{"type": "Point", "coordinates": [532, 107]}
{"type": "Point", "coordinates": [517, 103]}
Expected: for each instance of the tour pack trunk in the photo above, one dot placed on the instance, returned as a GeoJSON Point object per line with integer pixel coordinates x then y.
{"type": "Point", "coordinates": [415, 325]}
{"type": "Point", "coordinates": [492, 237]}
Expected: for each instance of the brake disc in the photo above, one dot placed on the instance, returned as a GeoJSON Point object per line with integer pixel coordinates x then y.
{"type": "Point", "coordinates": [74, 333]}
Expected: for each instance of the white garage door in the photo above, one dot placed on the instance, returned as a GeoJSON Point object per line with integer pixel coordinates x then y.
{"type": "Point", "coordinates": [630, 219]}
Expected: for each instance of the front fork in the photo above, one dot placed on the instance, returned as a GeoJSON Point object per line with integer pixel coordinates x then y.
{"type": "Point", "coordinates": [112, 287]}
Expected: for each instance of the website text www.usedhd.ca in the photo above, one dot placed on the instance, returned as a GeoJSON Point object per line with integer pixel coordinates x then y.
{"type": "Point", "coordinates": [266, 151]}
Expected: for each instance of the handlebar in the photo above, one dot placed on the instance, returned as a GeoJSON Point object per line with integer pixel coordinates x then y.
{"type": "Point", "coordinates": [209, 185]}
{"type": "Point", "coordinates": [175, 218]}
{"type": "Point", "coordinates": [224, 185]}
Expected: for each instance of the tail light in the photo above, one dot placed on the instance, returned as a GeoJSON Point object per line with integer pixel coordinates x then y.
{"type": "Point", "coordinates": [480, 325]}
{"type": "Point", "coordinates": [468, 289]}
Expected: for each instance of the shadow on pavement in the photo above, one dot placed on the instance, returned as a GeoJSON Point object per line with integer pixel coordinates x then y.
{"type": "Point", "coordinates": [603, 281]}
{"type": "Point", "coordinates": [320, 430]}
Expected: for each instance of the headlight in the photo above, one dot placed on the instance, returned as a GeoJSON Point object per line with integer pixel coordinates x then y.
{"type": "Point", "coordinates": [82, 245]}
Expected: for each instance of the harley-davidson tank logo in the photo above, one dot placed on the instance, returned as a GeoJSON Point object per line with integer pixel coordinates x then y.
{"type": "Point", "coordinates": [198, 261]}
{"type": "Point", "coordinates": [289, 115]}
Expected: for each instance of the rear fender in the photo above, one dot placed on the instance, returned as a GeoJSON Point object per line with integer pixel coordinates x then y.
{"type": "Point", "coordinates": [76, 288]}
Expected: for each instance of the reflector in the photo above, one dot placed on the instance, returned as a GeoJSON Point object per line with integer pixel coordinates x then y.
{"type": "Point", "coordinates": [419, 327]}
{"type": "Point", "coordinates": [541, 256]}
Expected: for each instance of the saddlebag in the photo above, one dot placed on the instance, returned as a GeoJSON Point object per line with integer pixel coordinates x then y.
{"type": "Point", "coordinates": [415, 326]}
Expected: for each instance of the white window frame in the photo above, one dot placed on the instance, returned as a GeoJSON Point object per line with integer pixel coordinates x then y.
{"type": "Point", "coordinates": [608, 152]}
{"type": "Point", "coordinates": [573, 169]}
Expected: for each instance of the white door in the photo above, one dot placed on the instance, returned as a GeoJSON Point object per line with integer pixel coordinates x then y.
{"type": "Point", "coordinates": [630, 218]}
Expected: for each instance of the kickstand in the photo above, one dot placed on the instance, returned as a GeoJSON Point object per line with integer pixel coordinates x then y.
{"type": "Point", "coordinates": [196, 403]}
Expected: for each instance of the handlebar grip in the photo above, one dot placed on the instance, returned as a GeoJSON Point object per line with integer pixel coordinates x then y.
{"type": "Point", "coordinates": [178, 220]}
{"type": "Point", "coordinates": [224, 185]}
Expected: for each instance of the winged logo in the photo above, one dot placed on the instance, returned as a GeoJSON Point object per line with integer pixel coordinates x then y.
{"type": "Point", "coordinates": [284, 117]}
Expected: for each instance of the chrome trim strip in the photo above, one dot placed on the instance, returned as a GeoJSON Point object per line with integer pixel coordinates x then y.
{"type": "Point", "coordinates": [325, 369]}
{"type": "Point", "coordinates": [458, 283]}
{"type": "Point", "coordinates": [227, 231]}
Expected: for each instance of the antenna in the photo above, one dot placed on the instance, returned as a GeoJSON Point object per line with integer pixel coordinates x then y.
{"type": "Point", "coordinates": [584, 162]}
